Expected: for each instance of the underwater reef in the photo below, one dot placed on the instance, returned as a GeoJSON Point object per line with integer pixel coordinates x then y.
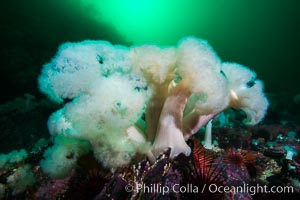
{"type": "Point", "coordinates": [148, 122]}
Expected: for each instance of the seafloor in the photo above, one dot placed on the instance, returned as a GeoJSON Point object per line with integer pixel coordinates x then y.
{"type": "Point", "coordinates": [256, 159]}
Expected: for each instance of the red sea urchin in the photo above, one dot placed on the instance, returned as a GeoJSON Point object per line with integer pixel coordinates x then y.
{"type": "Point", "coordinates": [240, 158]}
{"type": "Point", "coordinates": [208, 171]}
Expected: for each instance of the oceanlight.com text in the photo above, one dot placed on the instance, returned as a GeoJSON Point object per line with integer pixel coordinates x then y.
{"type": "Point", "coordinates": [212, 188]}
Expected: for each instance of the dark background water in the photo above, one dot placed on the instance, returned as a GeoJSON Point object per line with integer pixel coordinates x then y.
{"type": "Point", "coordinates": [31, 31]}
{"type": "Point", "coordinates": [264, 35]}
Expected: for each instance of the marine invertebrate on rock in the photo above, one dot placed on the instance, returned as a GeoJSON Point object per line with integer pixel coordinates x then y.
{"type": "Point", "coordinates": [61, 158]}
{"type": "Point", "coordinates": [21, 179]}
{"type": "Point", "coordinates": [12, 158]}
{"type": "Point", "coordinates": [239, 158]}
{"type": "Point", "coordinates": [208, 172]}
{"type": "Point", "coordinates": [143, 99]}
{"type": "Point", "coordinates": [246, 92]}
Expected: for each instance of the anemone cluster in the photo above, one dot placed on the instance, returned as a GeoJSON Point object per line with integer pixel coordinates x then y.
{"type": "Point", "coordinates": [121, 101]}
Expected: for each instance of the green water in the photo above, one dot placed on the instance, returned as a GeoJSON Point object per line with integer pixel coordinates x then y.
{"type": "Point", "coordinates": [261, 34]}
